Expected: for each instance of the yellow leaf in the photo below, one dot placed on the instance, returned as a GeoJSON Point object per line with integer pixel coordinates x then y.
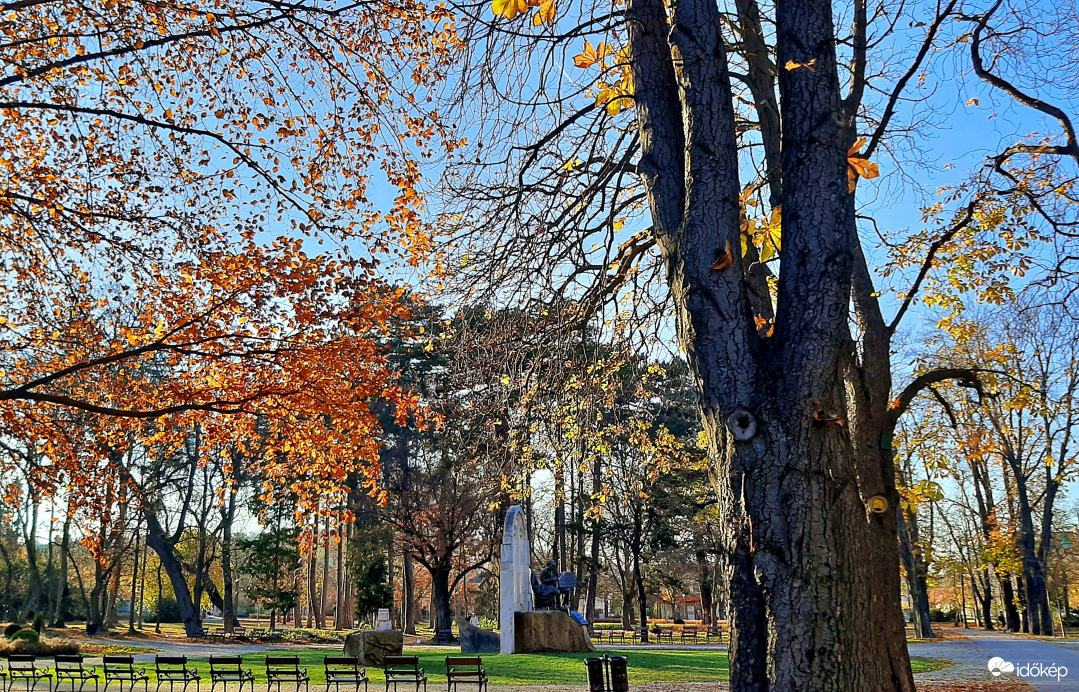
{"type": "Point", "coordinates": [972, 102]}
{"type": "Point", "coordinates": [509, 8]}
{"type": "Point", "coordinates": [590, 56]}
{"type": "Point", "coordinates": [792, 65]}
{"type": "Point", "coordinates": [618, 224]}
{"type": "Point", "coordinates": [547, 14]}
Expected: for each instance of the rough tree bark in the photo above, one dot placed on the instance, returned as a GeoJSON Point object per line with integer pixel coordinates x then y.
{"type": "Point", "coordinates": [799, 425]}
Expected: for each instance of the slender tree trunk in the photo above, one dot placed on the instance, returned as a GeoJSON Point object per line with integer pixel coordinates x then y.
{"type": "Point", "coordinates": [228, 597]}
{"type": "Point", "coordinates": [916, 571]}
{"type": "Point", "coordinates": [134, 584]}
{"type": "Point", "coordinates": [408, 588]}
{"type": "Point", "coordinates": [705, 578]}
{"type": "Point", "coordinates": [638, 574]}
{"type": "Point", "coordinates": [60, 588]}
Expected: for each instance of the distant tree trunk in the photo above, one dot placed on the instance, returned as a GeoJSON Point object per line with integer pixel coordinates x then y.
{"type": "Point", "coordinates": [322, 605]}
{"type": "Point", "coordinates": [1011, 611]}
{"type": "Point", "coordinates": [228, 598]}
{"type": "Point", "coordinates": [559, 546]}
{"type": "Point", "coordinates": [593, 556]}
{"type": "Point", "coordinates": [60, 589]}
{"type": "Point", "coordinates": [705, 578]}
{"type": "Point", "coordinates": [638, 575]}
{"type": "Point", "coordinates": [134, 584]}
{"type": "Point", "coordinates": [408, 588]}
{"type": "Point", "coordinates": [627, 610]}
{"type": "Point", "coordinates": [340, 616]}
{"type": "Point", "coordinates": [914, 566]}
{"type": "Point", "coordinates": [32, 603]}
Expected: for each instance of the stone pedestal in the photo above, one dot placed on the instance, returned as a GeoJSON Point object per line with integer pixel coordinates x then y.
{"type": "Point", "coordinates": [475, 640]}
{"type": "Point", "coordinates": [549, 631]}
{"type": "Point", "coordinates": [514, 579]}
{"type": "Point", "coordinates": [373, 647]}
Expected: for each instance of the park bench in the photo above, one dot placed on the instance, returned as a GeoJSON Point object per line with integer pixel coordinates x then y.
{"type": "Point", "coordinates": [345, 669]}
{"type": "Point", "coordinates": [665, 633]}
{"type": "Point", "coordinates": [24, 667]}
{"type": "Point", "coordinates": [121, 669]}
{"type": "Point", "coordinates": [226, 669]}
{"type": "Point", "coordinates": [174, 669]}
{"type": "Point", "coordinates": [286, 669]}
{"type": "Point", "coordinates": [215, 633]}
{"type": "Point", "coordinates": [404, 669]}
{"type": "Point", "coordinates": [689, 632]}
{"type": "Point", "coordinates": [620, 635]}
{"type": "Point", "coordinates": [466, 669]}
{"type": "Point", "coordinates": [71, 668]}
{"type": "Point", "coordinates": [237, 633]}
{"type": "Point", "coordinates": [718, 630]}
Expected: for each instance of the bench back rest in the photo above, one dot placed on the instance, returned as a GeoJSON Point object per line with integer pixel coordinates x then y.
{"type": "Point", "coordinates": [341, 664]}
{"type": "Point", "coordinates": [689, 629]}
{"type": "Point", "coordinates": [170, 664]}
{"type": "Point", "coordinates": [21, 662]}
{"type": "Point", "coordinates": [225, 664]}
{"type": "Point", "coordinates": [457, 662]}
{"type": "Point", "coordinates": [68, 661]}
{"type": "Point", "coordinates": [122, 665]}
{"type": "Point", "coordinates": [283, 664]}
{"type": "Point", "coordinates": [399, 663]}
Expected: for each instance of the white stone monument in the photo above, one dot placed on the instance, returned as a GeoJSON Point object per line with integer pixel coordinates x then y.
{"type": "Point", "coordinates": [382, 623]}
{"type": "Point", "coordinates": [515, 583]}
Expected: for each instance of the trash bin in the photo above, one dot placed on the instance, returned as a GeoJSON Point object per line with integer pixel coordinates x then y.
{"type": "Point", "coordinates": [619, 675]}
{"type": "Point", "coordinates": [596, 681]}
{"type": "Point", "coordinates": [607, 674]}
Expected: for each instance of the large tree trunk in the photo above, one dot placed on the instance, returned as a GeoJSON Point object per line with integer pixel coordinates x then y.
{"type": "Point", "coordinates": [799, 428]}
{"type": "Point", "coordinates": [1034, 585]}
{"type": "Point", "coordinates": [441, 613]}
{"type": "Point", "coordinates": [156, 539]}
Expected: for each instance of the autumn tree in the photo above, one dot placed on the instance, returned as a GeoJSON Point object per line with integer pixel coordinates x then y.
{"type": "Point", "coordinates": [169, 172]}
{"type": "Point", "coordinates": [720, 151]}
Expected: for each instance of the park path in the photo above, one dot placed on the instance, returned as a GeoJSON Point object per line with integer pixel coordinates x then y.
{"type": "Point", "coordinates": [971, 654]}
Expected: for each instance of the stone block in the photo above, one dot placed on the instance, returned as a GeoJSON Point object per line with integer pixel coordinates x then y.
{"type": "Point", "coordinates": [550, 631]}
{"type": "Point", "coordinates": [373, 647]}
{"type": "Point", "coordinates": [475, 640]}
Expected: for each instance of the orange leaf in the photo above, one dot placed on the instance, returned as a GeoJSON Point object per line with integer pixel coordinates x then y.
{"type": "Point", "coordinates": [725, 260]}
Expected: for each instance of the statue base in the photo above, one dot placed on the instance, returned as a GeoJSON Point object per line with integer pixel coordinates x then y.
{"type": "Point", "coordinates": [551, 631]}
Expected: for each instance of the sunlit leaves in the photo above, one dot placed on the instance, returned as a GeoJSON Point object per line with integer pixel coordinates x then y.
{"type": "Point", "coordinates": [509, 8]}
{"type": "Point", "coordinates": [547, 14]}
{"type": "Point", "coordinates": [592, 55]}
{"type": "Point", "coordinates": [859, 166]}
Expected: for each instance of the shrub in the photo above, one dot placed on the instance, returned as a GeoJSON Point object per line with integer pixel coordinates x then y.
{"type": "Point", "coordinates": [11, 629]}
{"type": "Point", "coordinates": [26, 636]}
{"type": "Point", "coordinates": [168, 611]}
{"type": "Point", "coordinates": [44, 646]}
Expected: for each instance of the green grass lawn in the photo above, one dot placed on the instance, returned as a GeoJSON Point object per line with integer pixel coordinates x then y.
{"type": "Point", "coordinates": [525, 669]}
{"type": "Point", "coordinates": [660, 665]}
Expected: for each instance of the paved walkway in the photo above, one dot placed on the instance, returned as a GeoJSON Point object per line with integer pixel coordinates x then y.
{"type": "Point", "coordinates": [1032, 660]}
